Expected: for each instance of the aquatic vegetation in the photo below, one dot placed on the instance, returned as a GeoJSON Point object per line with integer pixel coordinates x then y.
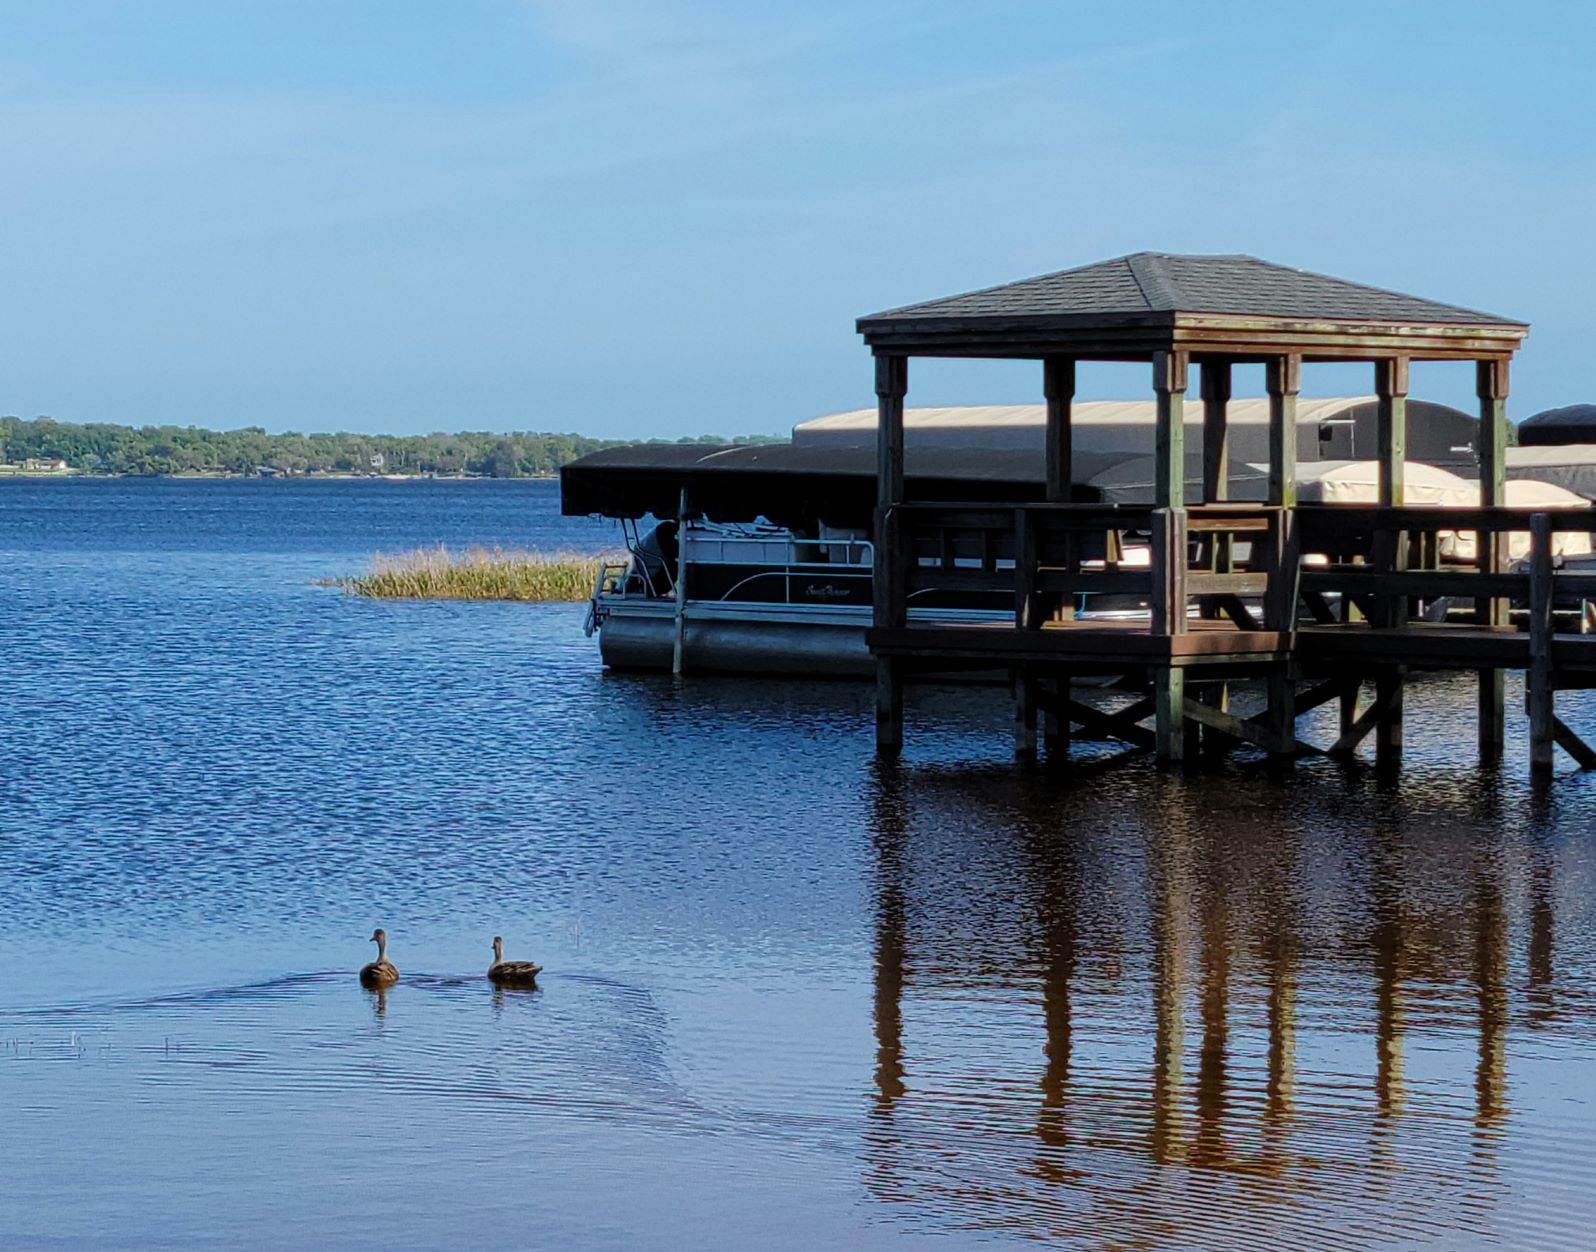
{"type": "Point", "coordinates": [475, 574]}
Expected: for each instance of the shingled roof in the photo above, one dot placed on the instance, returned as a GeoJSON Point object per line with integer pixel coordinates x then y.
{"type": "Point", "coordinates": [1158, 282]}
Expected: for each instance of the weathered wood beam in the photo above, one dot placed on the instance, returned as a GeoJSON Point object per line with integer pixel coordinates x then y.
{"type": "Point", "coordinates": [1216, 381]}
{"type": "Point", "coordinates": [1058, 387]}
{"type": "Point", "coordinates": [1355, 730]}
{"type": "Point", "coordinates": [1283, 380]}
{"type": "Point", "coordinates": [1121, 725]}
{"type": "Point", "coordinates": [1169, 389]}
{"type": "Point", "coordinates": [1573, 744]}
{"type": "Point", "coordinates": [1169, 693]}
{"type": "Point", "coordinates": [1226, 723]}
{"type": "Point", "coordinates": [1391, 423]}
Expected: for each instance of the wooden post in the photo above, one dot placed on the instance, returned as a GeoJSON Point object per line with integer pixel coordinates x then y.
{"type": "Point", "coordinates": [1539, 693]}
{"type": "Point", "coordinates": [1491, 378]}
{"type": "Point", "coordinates": [1169, 618]}
{"type": "Point", "coordinates": [1391, 388]}
{"type": "Point", "coordinates": [892, 384]}
{"type": "Point", "coordinates": [1216, 432]}
{"type": "Point", "coordinates": [1169, 386]}
{"type": "Point", "coordinates": [1388, 734]}
{"type": "Point", "coordinates": [1283, 379]}
{"type": "Point", "coordinates": [1024, 685]}
{"type": "Point", "coordinates": [679, 640]}
{"type": "Point", "coordinates": [1058, 386]}
{"type": "Point", "coordinates": [1168, 555]}
{"type": "Point", "coordinates": [1219, 548]}
{"type": "Point", "coordinates": [1169, 696]}
{"type": "Point", "coordinates": [1167, 560]}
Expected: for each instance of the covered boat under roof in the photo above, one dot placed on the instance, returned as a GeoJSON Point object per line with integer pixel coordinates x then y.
{"type": "Point", "coordinates": [796, 485]}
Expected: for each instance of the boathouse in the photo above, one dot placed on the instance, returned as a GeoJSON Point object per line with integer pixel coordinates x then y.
{"type": "Point", "coordinates": [1311, 634]}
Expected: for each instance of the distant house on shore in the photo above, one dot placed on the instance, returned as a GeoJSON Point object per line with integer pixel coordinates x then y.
{"type": "Point", "coordinates": [42, 465]}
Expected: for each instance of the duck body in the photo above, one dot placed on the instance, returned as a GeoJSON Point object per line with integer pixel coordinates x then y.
{"type": "Point", "coordinates": [511, 973]}
{"type": "Point", "coordinates": [382, 972]}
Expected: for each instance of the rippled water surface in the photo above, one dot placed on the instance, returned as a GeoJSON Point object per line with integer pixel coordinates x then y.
{"type": "Point", "coordinates": [792, 1000]}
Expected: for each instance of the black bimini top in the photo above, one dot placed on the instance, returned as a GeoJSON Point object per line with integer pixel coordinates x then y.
{"type": "Point", "coordinates": [796, 486]}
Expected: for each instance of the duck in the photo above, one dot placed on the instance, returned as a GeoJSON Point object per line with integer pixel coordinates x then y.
{"type": "Point", "coordinates": [511, 973]}
{"type": "Point", "coordinates": [382, 972]}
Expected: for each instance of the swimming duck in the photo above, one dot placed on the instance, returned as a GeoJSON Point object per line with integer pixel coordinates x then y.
{"type": "Point", "coordinates": [381, 972]}
{"type": "Point", "coordinates": [511, 973]}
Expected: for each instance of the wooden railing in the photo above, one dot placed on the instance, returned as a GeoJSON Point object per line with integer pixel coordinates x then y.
{"type": "Point", "coordinates": [1242, 561]}
{"type": "Point", "coordinates": [1385, 561]}
{"type": "Point", "coordinates": [1048, 554]}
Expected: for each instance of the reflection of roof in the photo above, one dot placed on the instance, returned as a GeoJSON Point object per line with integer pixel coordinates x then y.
{"type": "Point", "coordinates": [1156, 282]}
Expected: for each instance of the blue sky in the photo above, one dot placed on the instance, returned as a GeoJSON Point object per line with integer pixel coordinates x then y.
{"type": "Point", "coordinates": [645, 217]}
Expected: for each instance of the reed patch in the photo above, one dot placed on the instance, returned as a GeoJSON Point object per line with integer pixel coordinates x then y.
{"type": "Point", "coordinates": [476, 574]}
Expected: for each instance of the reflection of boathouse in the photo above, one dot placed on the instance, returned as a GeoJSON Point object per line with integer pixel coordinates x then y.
{"type": "Point", "coordinates": [1208, 1027]}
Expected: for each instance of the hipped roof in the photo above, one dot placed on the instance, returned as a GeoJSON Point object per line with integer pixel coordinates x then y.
{"type": "Point", "coordinates": [1233, 305]}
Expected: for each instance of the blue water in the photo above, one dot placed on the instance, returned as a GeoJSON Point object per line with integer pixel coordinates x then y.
{"type": "Point", "coordinates": [791, 1000]}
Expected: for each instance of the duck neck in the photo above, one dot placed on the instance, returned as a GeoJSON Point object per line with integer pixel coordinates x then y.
{"type": "Point", "coordinates": [382, 949]}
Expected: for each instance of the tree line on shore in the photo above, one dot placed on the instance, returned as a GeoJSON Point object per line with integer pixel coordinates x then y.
{"type": "Point", "coordinates": [104, 448]}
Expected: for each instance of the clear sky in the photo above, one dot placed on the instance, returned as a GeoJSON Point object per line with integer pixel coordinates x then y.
{"type": "Point", "coordinates": [653, 217]}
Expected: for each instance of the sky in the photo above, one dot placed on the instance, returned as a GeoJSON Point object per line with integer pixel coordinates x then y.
{"type": "Point", "coordinates": [639, 218]}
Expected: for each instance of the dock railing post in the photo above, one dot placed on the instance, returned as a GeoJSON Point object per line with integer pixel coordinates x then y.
{"type": "Point", "coordinates": [1539, 691]}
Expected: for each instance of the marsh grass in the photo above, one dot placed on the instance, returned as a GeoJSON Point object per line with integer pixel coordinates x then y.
{"type": "Point", "coordinates": [475, 574]}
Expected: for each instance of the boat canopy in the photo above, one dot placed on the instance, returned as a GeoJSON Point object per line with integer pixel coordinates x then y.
{"type": "Point", "coordinates": [1571, 465]}
{"type": "Point", "coordinates": [799, 485]}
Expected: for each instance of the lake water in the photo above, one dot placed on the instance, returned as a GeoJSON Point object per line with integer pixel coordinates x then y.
{"type": "Point", "coordinates": [792, 1000]}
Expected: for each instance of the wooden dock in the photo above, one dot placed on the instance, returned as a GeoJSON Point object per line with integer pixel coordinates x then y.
{"type": "Point", "coordinates": [1314, 600]}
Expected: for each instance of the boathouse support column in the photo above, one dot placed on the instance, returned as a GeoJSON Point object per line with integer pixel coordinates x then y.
{"type": "Point", "coordinates": [1282, 381]}
{"type": "Point", "coordinates": [1491, 378]}
{"type": "Point", "coordinates": [1058, 388]}
{"type": "Point", "coordinates": [1391, 421]}
{"type": "Point", "coordinates": [1217, 553]}
{"type": "Point", "coordinates": [1169, 547]}
{"type": "Point", "coordinates": [892, 384]}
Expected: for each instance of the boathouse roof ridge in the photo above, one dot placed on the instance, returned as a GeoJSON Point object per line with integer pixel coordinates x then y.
{"type": "Point", "coordinates": [1160, 290]}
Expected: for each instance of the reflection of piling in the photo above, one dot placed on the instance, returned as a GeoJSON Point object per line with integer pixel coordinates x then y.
{"type": "Point", "coordinates": [1168, 1000]}
{"type": "Point", "coordinates": [1387, 941]}
{"type": "Point", "coordinates": [1490, 980]}
{"type": "Point", "coordinates": [1210, 1146]}
{"type": "Point", "coordinates": [1542, 919]}
{"type": "Point", "coordinates": [891, 940]}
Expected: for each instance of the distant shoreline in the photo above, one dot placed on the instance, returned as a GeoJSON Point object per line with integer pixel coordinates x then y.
{"type": "Point", "coordinates": [35, 475]}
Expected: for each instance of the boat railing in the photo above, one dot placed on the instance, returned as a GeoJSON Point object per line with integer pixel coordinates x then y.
{"type": "Point", "coordinates": [777, 550]}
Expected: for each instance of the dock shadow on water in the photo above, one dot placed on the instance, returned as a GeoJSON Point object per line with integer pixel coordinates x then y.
{"type": "Point", "coordinates": [1162, 1011]}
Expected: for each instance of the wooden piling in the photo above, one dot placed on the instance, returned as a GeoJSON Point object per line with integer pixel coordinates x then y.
{"type": "Point", "coordinates": [890, 611]}
{"type": "Point", "coordinates": [1539, 693]}
{"type": "Point", "coordinates": [1491, 379]}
